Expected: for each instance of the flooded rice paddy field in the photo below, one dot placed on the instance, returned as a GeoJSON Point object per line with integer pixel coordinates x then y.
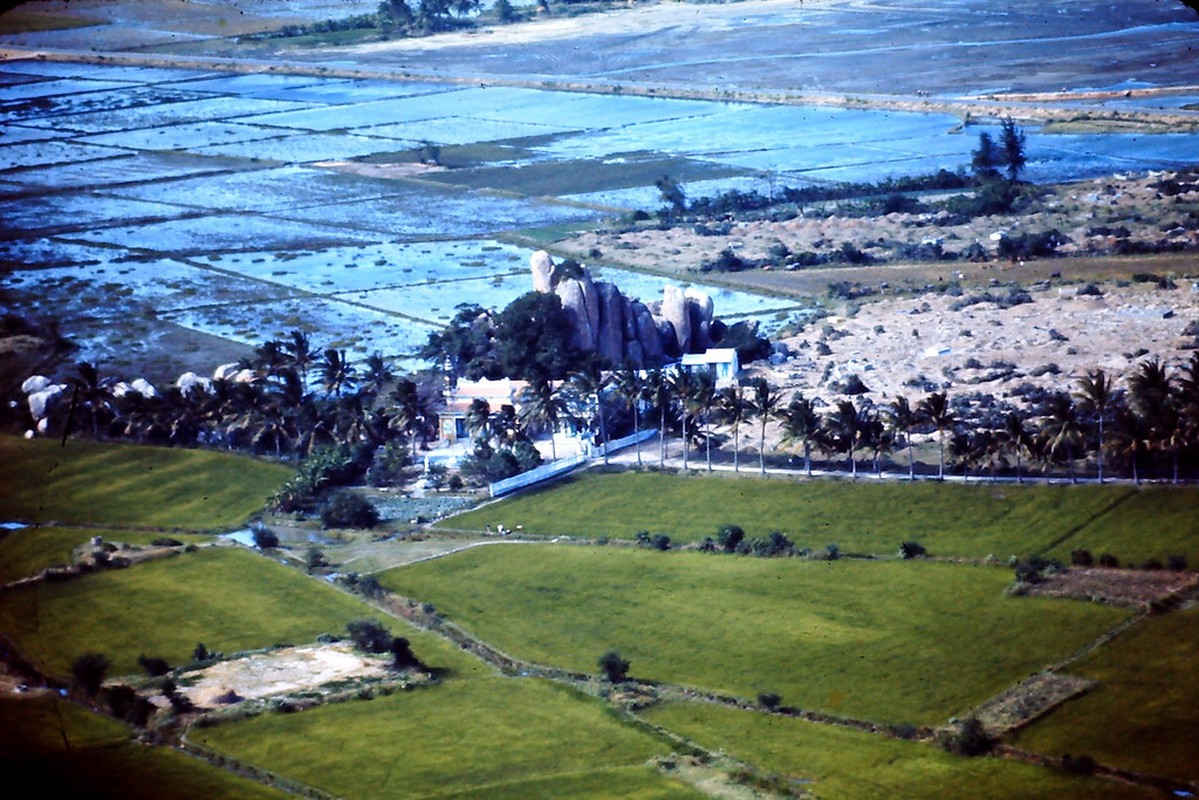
{"type": "Point", "coordinates": [152, 208]}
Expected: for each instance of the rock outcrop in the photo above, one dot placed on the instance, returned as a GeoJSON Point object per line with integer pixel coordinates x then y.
{"type": "Point", "coordinates": [620, 328]}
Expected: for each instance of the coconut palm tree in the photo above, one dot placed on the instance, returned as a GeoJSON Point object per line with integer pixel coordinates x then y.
{"type": "Point", "coordinates": [91, 395]}
{"type": "Point", "coordinates": [1096, 396]}
{"type": "Point", "coordinates": [1131, 440]}
{"type": "Point", "coordinates": [588, 384]}
{"type": "Point", "coordinates": [801, 424]}
{"type": "Point", "coordinates": [1061, 430]}
{"type": "Point", "coordinates": [657, 392]}
{"type": "Point", "coordinates": [936, 410]}
{"type": "Point", "coordinates": [1016, 439]}
{"type": "Point", "coordinates": [682, 385]}
{"type": "Point", "coordinates": [901, 418]}
{"type": "Point", "coordinates": [763, 402]}
{"type": "Point", "coordinates": [377, 374]}
{"type": "Point", "coordinates": [732, 409]}
{"type": "Point", "coordinates": [478, 419]}
{"type": "Point", "coordinates": [699, 404]}
{"type": "Point", "coordinates": [301, 355]}
{"type": "Point", "coordinates": [1152, 398]}
{"type": "Point", "coordinates": [337, 374]}
{"type": "Point", "coordinates": [406, 411]}
{"type": "Point", "coordinates": [845, 427]}
{"type": "Point", "coordinates": [630, 387]}
{"type": "Point", "coordinates": [544, 406]}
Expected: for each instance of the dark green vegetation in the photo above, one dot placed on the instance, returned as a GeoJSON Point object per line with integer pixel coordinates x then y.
{"type": "Point", "coordinates": [849, 764]}
{"type": "Point", "coordinates": [948, 520]}
{"type": "Point", "coordinates": [28, 551]}
{"type": "Point", "coordinates": [887, 641]}
{"type": "Point", "coordinates": [65, 751]}
{"type": "Point", "coordinates": [1146, 680]}
{"type": "Point", "coordinates": [484, 738]}
{"type": "Point", "coordinates": [120, 485]}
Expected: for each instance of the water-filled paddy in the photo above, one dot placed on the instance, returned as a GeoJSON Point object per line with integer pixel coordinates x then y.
{"type": "Point", "coordinates": [168, 186]}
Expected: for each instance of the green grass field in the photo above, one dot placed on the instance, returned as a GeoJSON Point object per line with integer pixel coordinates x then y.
{"type": "Point", "coordinates": [851, 765]}
{"type": "Point", "coordinates": [28, 551]}
{"type": "Point", "coordinates": [1155, 522]}
{"type": "Point", "coordinates": [228, 598]}
{"type": "Point", "coordinates": [864, 517]}
{"type": "Point", "coordinates": [887, 641]}
{"type": "Point", "coordinates": [495, 737]}
{"type": "Point", "coordinates": [117, 485]}
{"type": "Point", "coordinates": [57, 749]}
{"type": "Point", "coordinates": [1144, 713]}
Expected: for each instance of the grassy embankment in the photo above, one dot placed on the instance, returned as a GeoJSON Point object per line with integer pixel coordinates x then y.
{"type": "Point", "coordinates": [971, 521]}
{"type": "Point", "coordinates": [892, 642]}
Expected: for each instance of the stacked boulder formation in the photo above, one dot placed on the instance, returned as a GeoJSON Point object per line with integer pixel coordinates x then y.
{"type": "Point", "coordinates": [621, 328]}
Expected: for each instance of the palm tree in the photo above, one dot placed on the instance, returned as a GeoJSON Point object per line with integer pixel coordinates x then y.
{"type": "Point", "coordinates": [1016, 438]}
{"type": "Point", "coordinates": [1131, 440]}
{"type": "Point", "coordinates": [544, 406]}
{"type": "Point", "coordinates": [1062, 430]}
{"type": "Point", "coordinates": [478, 419]}
{"type": "Point", "coordinates": [935, 408]}
{"type": "Point", "coordinates": [732, 408]}
{"type": "Point", "coordinates": [300, 353]}
{"type": "Point", "coordinates": [657, 391]}
{"type": "Point", "coordinates": [901, 418]}
{"type": "Point", "coordinates": [377, 375]}
{"type": "Point", "coordinates": [588, 383]}
{"type": "Point", "coordinates": [406, 411]}
{"type": "Point", "coordinates": [92, 395]}
{"type": "Point", "coordinates": [630, 387]}
{"type": "Point", "coordinates": [1152, 397]}
{"type": "Point", "coordinates": [1096, 396]}
{"type": "Point", "coordinates": [801, 424]}
{"type": "Point", "coordinates": [763, 401]}
{"type": "Point", "coordinates": [699, 404]}
{"type": "Point", "coordinates": [844, 426]}
{"type": "Point", "coordinates": [681, 387]}
{"type": "Point", "coordinates": [337, 374]}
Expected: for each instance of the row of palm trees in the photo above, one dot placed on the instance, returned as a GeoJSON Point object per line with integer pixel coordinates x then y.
{"type": "Point", "coordinates": [292, 398]}
{"type": "Point", "coordinates": [1152, 420]}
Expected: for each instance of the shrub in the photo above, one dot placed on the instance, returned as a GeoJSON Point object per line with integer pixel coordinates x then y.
{"type": "Point", "coordinates": [729, 536]}
{"type": "Point", "coordinates": [89, 670]}
{"type": "Point", "coordinates": [154, 667]}
{"type": "Point", "coordinates": [201, 654]}
{"type": "Point", "coordinates": [1081, 558]}
{"type": "Point", "coordinates": [1108, 560]}
{"type": "Point", "coordinates": [347, 509]}
{"type": "Point", "coordinates": [265, 538]}
{"type": "Point", "coordinates": [1078, 765]}
{"type": "Point", "coordinates": [402, 655]}
{"type": "Point", "coordinates": [615, 668]}
{"type": "Point", "coordinates": [769, 701]}
{"type": "Point", "coordinates": [389, 465]}
{"type": "Point", "coordinates": [369, 635]}
{"type": "Point", "coordinates": [660, 542]}
{"type": "Point", "coordinates": [967, 738]}
{"type": "Point", "coordinates": [166, 541]}
{"type": "Point", "coordinates": [1176, 562]}
{"type": "Point", "coordinates": [1152, 564]}
{"type": "Point", "coordinates": [910, 550]}
{"type": "Point", "coordinates": [126, 704]}
{"type": "Point", "coordinates": [314, 558]}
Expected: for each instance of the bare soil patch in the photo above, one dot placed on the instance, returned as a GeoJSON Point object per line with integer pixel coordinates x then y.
{"type": "Point", "coordinates": [1031, 698]}
{"type": "Point", "coordinates": [1121, 587]}
{"type": "Point", "coordinates": [283, 671]}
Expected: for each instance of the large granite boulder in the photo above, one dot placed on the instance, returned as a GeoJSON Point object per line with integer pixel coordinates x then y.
{"type": "Point", "coordinates": [610, 339]}
{"type": "Point", "coordinates": [674, 311]}
{"type": "Point", "coordinates": [542, 267]}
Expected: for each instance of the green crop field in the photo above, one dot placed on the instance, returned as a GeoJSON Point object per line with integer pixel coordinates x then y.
{"type": "Point", "coordinates": [1144, 713]}
{"type": "Point", "coordinates": [848, 764]}
{"type": "Point", "coordinates": [227, 598]}
{"type": "Point", "coordinates": [85, 483]}
{"type": "Point", "coordinates": [1155, 522]}
{"type": "Point", "coordinates": [27, 551]}
{"type": "Point", "coordinates": [864, 517]}
{"type": "Point", "coordinates": [57, 749]}
{"type": "Point", "coordinates": [887, 641]}
{"type": "Point", "coordinates": [482, 737]}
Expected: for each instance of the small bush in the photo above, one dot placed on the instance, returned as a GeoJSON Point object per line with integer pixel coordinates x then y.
{"type": "Point", "coordinates": [615, 668]}
{"type": "Point", "coordinates": [265, 538]}
{"type": "Point", "coordinates": [660, 542]}
{"type": "Point", "coordinates": [89, 670]}
{"type": "Point", "coordinates": [1152, 564]}
{"type": "Point", "coordinates": [1176, 562]}
{"type": "Point", "coordinates": [166, 541]}
{"type": "Point", "coordinates": [1109, 561]}
{"type": "Point", "coordinates": [1081, 558]}
{"type": "Point", "coordinates": [729, 536]}
{"type": "Point", "coordinates": [347, 509]}
{"type": "Point", "coordinates": [369, 635]}
{"type": "Point", "coordinates": [1078, 765]}
{"type": "Point", "coordinates": [769, 701]}
{"type": "Point", "coordinates": [154, 667]}
{"type": "Point", "coordinates": [967, 738]}
{"type": "Point", "coordinates": [910, 550]}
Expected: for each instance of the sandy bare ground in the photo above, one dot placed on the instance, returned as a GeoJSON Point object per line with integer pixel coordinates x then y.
{"type": "Point", "coordinates": [282, 671]}
{"type": "Point", "coordinates": [1122, 587]}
